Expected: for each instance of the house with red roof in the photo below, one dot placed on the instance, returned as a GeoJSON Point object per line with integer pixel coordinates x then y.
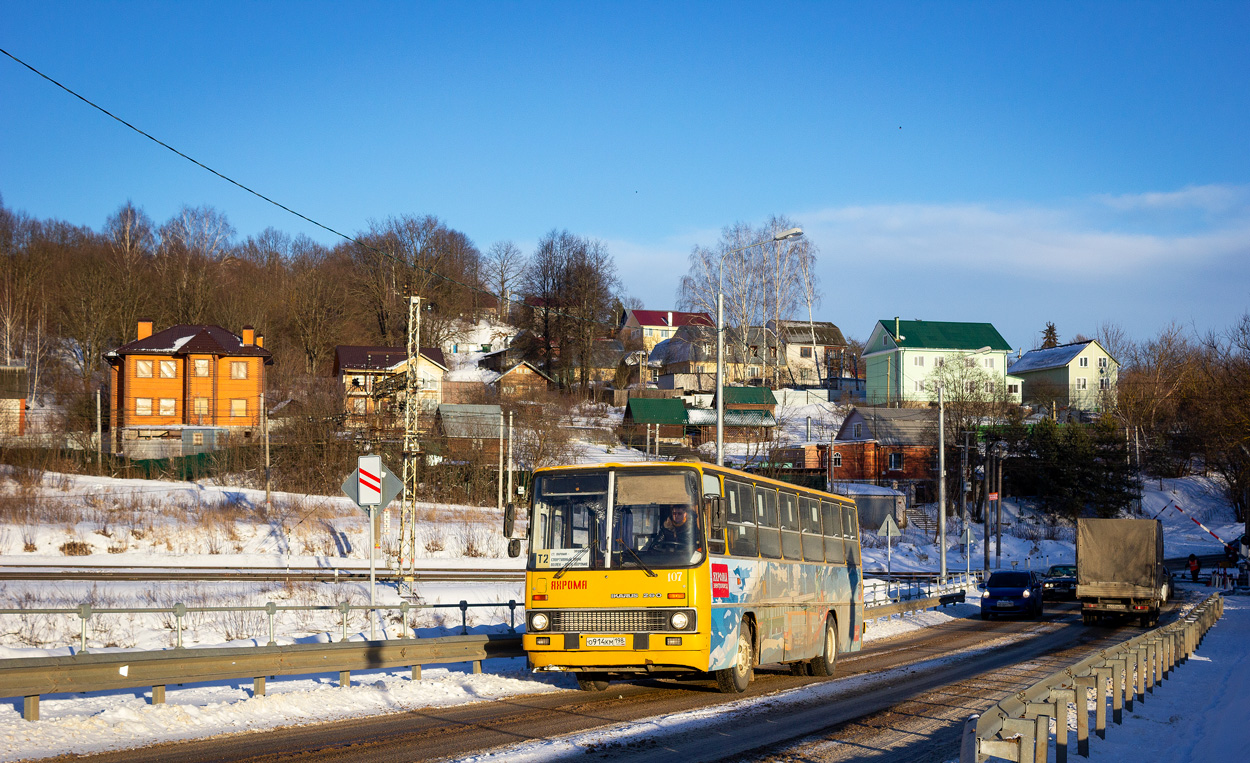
{"type": "Point", "coordinates": [647, 328]}
{"type": "Point", "coordinates": [184, 390]}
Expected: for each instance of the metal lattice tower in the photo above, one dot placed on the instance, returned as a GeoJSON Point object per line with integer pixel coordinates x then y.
{"type": "Point", "coordinates": [412, 446]}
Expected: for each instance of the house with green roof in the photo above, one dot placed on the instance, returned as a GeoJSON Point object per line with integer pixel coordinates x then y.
{"type": "Point", "coordinates": [900, 356]}
{"type": "Point", "coordinates": [662, 418]}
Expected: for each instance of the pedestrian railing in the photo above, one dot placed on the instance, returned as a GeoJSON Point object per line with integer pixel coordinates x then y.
{"type": "Point", "coordinates": [1018, 728]}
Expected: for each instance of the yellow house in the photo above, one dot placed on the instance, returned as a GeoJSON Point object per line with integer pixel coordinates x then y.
{"type": "Point", "coordinates": [187, 389]}
{"type": "Point", "coordinates": [373, 383]}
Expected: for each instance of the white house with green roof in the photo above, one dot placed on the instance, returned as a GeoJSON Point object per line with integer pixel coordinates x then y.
{"type": "Point", "coordinates": [900, 356]}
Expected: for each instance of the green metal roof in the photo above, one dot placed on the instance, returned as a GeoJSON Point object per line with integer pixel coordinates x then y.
{"type": "Point", "coordinates": [945, 335]}
{"type": "Point", "coordinates": [657, 411]}
{"type": "Point", "coordinates": [749, 396]}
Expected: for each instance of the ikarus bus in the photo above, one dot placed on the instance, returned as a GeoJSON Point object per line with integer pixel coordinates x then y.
{"type": "Point", "coordinates": [686, 568]}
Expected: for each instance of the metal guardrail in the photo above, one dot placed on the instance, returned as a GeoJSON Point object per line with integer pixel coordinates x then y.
{"type": "Point", "coordinates": [29, 677]}
{"type": "Point", "coordinates": [1018, 728]}
{"type": "Point", "coordinates": [180, 611]}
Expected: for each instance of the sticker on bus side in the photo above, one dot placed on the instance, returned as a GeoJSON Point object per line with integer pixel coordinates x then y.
{"type": "Point", "coordinates": [720, 581]}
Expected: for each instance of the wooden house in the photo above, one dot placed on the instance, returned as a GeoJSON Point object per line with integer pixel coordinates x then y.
{"type": "Point", "coordinates": [13, 387]}
{"type": "Point", "coordinates": [469, 432]}
{"type": "Point", "coordinates": [886, 446]}
{"type": "Point", "coordinates": [374, 380]}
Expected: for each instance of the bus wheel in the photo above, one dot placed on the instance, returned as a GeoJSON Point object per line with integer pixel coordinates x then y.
{"type": "Point", "coordinates": [591, 682]}
{"type": "Point", "coordinates": [734, 679]}
{"type": "Point", "coordinates": [828, 659]}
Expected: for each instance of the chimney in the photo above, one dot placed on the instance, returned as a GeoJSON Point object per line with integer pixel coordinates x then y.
{"type": "Point", "coordinates": [145, 328]}
{"type": "Point", "coordinates": [670, 317]}
{"type": "Point", "coordinates": [260, 341]}
{"type": "Point", "coordinates": [249, 335]}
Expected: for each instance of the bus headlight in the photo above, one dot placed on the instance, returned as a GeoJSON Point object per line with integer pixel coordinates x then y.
{"type": "Point", "coordinates": [538, 621]}
{"type": "Point", "coordinates": [679, 621]}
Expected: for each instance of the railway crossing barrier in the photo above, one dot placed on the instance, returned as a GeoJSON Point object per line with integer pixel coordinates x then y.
{"type": "Point", "coordinates": [1018, 728]}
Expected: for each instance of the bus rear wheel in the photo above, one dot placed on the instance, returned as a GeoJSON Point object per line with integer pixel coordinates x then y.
{"type": "Point", "coordinates": [824, 664]}
{"type": "Point", "coordinates": [736, 678]}
{"type": "Point", "coordinates": [591, 682]}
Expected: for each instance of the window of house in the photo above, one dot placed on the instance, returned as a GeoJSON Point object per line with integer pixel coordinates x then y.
{"type": "Point", "coordinates": [754, 371]}
{"type": "Point", "coordinates": [989, 362]}
{"type": "Point", "coordinates": [939, 362]}
{"type": "Point", "coordinates": [772, 352]}
{"type": "Point", "coordinates": [647, 332]}
{"type": "Point", "coordinates": [143, 406]}
{"type": "Point", "coordinates": [238, 407]}
{"type": "Point", "coordinates": [919, 386]}
{"type": "Point", "coordinates": [169, 369]}
{"type": "Point", "coordinates": [755, 350]}
{"type": "Point", "coordinates": [883, 340]}
{"type": "Point", "coordinates": [238, 369]}
{"type": "Point", "coordinates": [201, 367]}
{"type": "Point", "coordinates": [970, 387]}
{"type": "Point", "coordinates": [837, 459]}
{"type": "Point", "coordinates": [197, 438]}
{"type": "Point", "coordinates": [857, 429]}
{"type": "Point", "coordinates": [989, 388]}
{"type": "Point", "coordinates": [896, 462]}
{"type": "Point", "coordinates": [1082, 382]}
{"type": "Point", "coordinates": [143, 369]}
{"type": "Point", "coordinates": [918, 360]}
{"type": "Point", "coordinates": [1083, 362]}
{"type": "Point", "coordinates": [1013, 389]}
{"type": "Point", "coordinates": [200, 406]}
{"type": "Point", "coordinates": [167, 406]}
{"type": "Point", "coordinates": [1104, 383]}
{"type": "Point", "coordinates": [1102, 362]}
{"type": "Point", "coordinates": [805, 352]}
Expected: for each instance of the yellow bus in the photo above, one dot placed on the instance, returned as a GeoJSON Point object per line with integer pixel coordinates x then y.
{"type": "Point", "coordinates": [686, 568]}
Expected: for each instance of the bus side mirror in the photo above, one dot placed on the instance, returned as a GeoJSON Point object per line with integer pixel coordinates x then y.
{"type": "Point", "coordinates": [514, 548]}
{"type": "Point", "coordinates": [717, 505]}
{"type": "Point", "coordinates": [509, 520]}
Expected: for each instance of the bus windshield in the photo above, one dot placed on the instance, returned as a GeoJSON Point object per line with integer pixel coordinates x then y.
{"type": "Point", "coordinates": [654, 519]}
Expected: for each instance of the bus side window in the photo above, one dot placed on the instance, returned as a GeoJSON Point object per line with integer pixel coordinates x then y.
{"type": "Point", "coordinates": [833, 532]}
{"type": "Point", "coordinates": [850, 527]}
{"type": "Point", "coordinates": [813, 544]}
{"type": "Point", "coordinates": [715, 539]}
{"type": "Point", "coordinates": [741, 525]}
{"type": "Point", "coordinates": [790, 547]}
{"type": "Point", "coordinates": [769, 525]}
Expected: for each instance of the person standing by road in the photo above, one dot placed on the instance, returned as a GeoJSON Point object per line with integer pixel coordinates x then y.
{"type": "Point", "coordinates": [1194, 566]}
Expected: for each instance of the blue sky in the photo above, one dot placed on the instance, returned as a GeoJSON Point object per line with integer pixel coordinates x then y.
{"type": "Point", "coordinates": [1005, 162]}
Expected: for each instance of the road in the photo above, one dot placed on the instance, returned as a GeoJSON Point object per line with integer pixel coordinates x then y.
{"type": "Point", "coordinates": [884, 697]}
{"type": "Point", "coordinates": [70, 571]}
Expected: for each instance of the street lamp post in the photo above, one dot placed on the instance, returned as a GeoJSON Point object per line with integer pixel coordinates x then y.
{"type": "Point", "coordinates": [784, 235]}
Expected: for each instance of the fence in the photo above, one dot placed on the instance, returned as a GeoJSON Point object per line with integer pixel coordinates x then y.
{"type": "Point", "coordinates": [1018, 728]}
{"type": "Point", "coordinates": [914, 595]}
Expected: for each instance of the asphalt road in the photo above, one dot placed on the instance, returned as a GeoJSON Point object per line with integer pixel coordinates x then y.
{"type": "Point", "coordinates": [783, 720]}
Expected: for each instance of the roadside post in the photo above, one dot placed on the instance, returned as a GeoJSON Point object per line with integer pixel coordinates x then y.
{"type": "Point", "coordinates": [889, 529]}
{"type": "Point", "coordinates": [967, 539]}
{"type": "Point", "coordinates": [372, 486]}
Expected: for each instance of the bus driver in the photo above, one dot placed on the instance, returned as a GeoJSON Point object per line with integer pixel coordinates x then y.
{"type": "Point", "coordinates": [677, 533]}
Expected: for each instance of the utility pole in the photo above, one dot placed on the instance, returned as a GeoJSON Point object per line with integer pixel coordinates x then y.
{"type": "Point", "coordinates": [941, 479]}
{"type": "Point", "coordinates": [264, 428]}
{"type": "Point", "coordinates": [500, 500]}
{"type": "Point", "coordinates": [99, 434]}
{"type": "Point", "coordinates": [998, 523]}
{"type": "Point", "coordinates": [511, 494]}
{"type": "Point", "coordinates": [412, 446]}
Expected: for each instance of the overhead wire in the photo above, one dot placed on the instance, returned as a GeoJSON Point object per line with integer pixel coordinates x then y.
{"type": "Point", "coordinates": [306, 218]}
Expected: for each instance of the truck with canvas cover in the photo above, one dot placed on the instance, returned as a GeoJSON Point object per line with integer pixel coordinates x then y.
{"type": "Point", "coordinates": [1119, 569]}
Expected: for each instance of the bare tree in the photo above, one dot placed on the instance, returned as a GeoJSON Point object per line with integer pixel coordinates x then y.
{"type": "Point", "coordinates": [501, 268]}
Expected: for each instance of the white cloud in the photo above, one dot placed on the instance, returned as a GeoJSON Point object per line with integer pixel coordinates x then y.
{"type": "Point", "coordinates": [1211, 198]}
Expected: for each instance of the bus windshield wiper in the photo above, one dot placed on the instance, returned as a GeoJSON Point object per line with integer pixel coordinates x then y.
{"type": "Point", "coordinates": [637, 558]}
{"type": "Point", "coordinates": [576, 557]}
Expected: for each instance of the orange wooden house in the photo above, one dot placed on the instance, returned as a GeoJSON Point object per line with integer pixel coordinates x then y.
{"type": "Point", "coordinates": [187, 389]}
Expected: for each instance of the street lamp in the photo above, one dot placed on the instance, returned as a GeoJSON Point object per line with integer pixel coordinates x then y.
{"type": "Point", "coordinates": [784, 235]}
{"type": "Point", "coordinates": [942, 472]}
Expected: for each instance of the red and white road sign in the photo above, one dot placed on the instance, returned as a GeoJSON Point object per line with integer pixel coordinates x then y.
{"type": "Point", "coordinates": [993, 496]}
{"type": "Point", "coordinates": [369, 476]}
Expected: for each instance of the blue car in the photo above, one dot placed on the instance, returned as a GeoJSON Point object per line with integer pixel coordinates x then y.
{"type": "Point", "coordinates": [1012, 593]}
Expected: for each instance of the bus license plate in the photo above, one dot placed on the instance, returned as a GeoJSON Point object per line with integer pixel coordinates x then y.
{"type": "Point", "coordinates": [605, 641]}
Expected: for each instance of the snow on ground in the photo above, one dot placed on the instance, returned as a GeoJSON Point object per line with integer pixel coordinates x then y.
{"type": "Point", "coordinates": [118, 720]}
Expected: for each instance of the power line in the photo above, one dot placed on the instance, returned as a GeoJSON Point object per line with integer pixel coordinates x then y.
{"type": "Point", "coordinates": [281, 206]}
